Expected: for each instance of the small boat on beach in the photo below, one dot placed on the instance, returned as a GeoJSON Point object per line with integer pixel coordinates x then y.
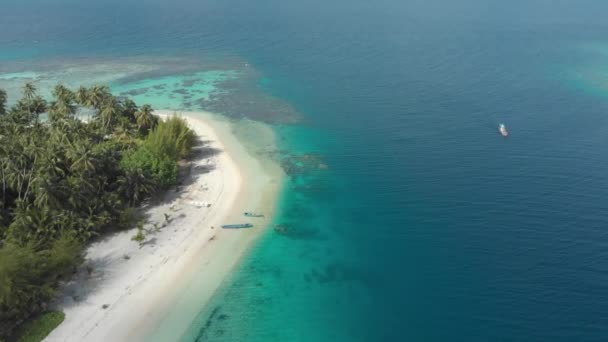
{"type": "Point", "coordinates": [250, 214]}
{"type": "Point", "coordinates": [502, 129]}
{"type": "Point", "coordinates": [237, 226]}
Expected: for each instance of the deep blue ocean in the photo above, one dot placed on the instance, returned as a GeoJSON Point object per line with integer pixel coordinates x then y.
{"type": "Point", "coordinates": [427, 225]}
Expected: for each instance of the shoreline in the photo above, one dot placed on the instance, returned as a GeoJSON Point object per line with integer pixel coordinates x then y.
{"type": "Point", "coordinates": [154, 292]}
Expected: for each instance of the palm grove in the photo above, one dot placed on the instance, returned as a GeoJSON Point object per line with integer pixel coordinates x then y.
{"type": "Point", "coordinates": [64, 181]}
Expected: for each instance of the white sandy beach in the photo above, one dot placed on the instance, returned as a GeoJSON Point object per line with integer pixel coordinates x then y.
{"type": "Point", "coordinates": [125, 292]}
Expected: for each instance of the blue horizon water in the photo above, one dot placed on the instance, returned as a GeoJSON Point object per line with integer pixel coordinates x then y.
{"type": "Point", "coordinates": [426, 224]}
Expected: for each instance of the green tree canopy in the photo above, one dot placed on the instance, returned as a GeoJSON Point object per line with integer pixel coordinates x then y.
{"type": "Point", "coordinates": [64, 181]}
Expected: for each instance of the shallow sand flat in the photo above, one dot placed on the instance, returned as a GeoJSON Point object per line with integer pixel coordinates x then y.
{"type": "Point", "coordinates": [157, 291]}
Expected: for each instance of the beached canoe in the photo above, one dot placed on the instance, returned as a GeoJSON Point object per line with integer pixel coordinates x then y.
{"type": "Point", "coordinates": [237, 226]}
{"type": "Point", "coordinates": [250, 214]}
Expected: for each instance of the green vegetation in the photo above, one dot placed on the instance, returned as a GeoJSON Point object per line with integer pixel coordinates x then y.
{"type": "Point", "coordinates": [64, 181]}
{"type": "Point", "coordinates": [39, 328]}
{"type": "Point", "coordinates": [140, 236]}
{"type": "Point", "coordinates": [156, 158]}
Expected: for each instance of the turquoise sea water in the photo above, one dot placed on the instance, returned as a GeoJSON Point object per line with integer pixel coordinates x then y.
{"type": "Point", "coordinates": [425, 225]}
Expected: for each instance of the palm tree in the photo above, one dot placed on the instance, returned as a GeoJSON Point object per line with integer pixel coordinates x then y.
{"type": "Point", "coordinates": [129, 108]}
{"type": "Point", "coordinates": [2, 102]}
{"type": "Point", "coordinates": [123, 133]}
{"type": "Point", "coordinates": [49, 189]}
{"type": "Point", "coordinates": [38, 105]}
{"type": "Point", "coordinates": [108, 114]}
{"type": "Point", "coordinates": [63, 94]}
{"type": "Point", "coordinates": [63, 105]}
{"type": "Point", "coordinates": [29, 91]}
{"type": "Point", "coordinates": [35, 222]}
{"type": "Point", "coordinates": [135, 185]}
{"type": "Point", "coordinates": [57, 112]}
{"type": "Point", "coordinates": [82, 157]}
{"type": "Point", "coordinates": [98, 95]}
{"type": "Point", "coordinates": [82, 96]}
{"type": "Point", "coordinates": [145, 119]}
{"type": "Point", "coordinates": [22, 164]}
{"type": "Point", "coordinates": [80, 189]}
{"type": "Point", "coordinates": [5, 166]}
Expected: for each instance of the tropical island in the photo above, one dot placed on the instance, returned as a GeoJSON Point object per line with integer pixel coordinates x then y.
{"type": "Point", "coordinates": [105, 204]}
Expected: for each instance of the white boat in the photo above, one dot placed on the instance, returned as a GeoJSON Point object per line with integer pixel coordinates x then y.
{"type": "Point", "coordinates": [503, 130]}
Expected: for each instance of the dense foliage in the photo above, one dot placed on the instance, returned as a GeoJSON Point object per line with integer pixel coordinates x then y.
{"type": "Point", "coordinates": [64, 180]}
{"type": "Point", "coordinates": [40, 327]}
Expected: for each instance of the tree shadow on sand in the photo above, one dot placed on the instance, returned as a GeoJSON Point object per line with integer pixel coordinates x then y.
{"type": "Point", "coordinates": [200, 162]}
{"type": "Point", "coordinates": [201, 149]}
{"type": "Point", "coordinates": [88, 278]}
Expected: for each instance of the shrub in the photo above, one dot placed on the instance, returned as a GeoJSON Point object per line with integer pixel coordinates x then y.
{"type": "Point", "coordinates": [39, 328]}
{"type": "Point", "coordinates": [28, 278]}
{"type": "Point", "coordinates": [140, 236]}
{"type": "Point", "coordinates": [162, 168]}
{"type": "Point", "coordinates": [171, 138]}
{"type": "Point", "coordinates": [127, 217]}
